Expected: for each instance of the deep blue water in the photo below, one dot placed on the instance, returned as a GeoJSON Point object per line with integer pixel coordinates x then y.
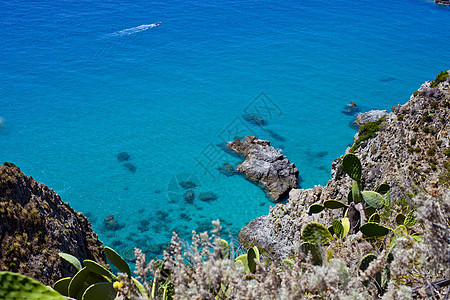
{"type": "Point", "coordinates": [82, 81]}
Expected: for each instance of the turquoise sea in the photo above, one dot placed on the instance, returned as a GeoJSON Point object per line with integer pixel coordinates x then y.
{"type": "Point", "coordinates": [82, 81]}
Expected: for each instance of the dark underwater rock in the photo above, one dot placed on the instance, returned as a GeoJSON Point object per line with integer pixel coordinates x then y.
{"type": "Point", "coordinates": [35, 225]}
{"type": "Point", "coordinates": [266, 165]}
{"type": "Point", "coordinates": [110, 223]}
{"type": "Point", "coordinates": [131, 167]}
{"type": "Point", "coordinates": [189, 196]}
{"type": "Point", "coordinates": [227, 170]}
{"type": "Point", "coordinates": [207, 196]}
{"type": "Point", "coordinates": [123, 156]}
{"type": "Point", "coordinates": [187, 184]}
{"type": "Point", "coordinates": [255, 120]}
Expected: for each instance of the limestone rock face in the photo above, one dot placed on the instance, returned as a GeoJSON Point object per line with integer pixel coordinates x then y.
{"type": "Point", "coordinates": [266, 165]}
{"type": "Point", "coordinates": [370, 116]}
{"type": "Point", "coordinates": [411, 152]}
{"type": "Point", "coordinates": [35, 225]}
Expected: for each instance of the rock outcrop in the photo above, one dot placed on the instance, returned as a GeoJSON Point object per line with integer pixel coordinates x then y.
{"type": "Point", "coordinates": [35, 225]}
{"type": "Point", "coordinates": [370, 116]}
{"type": "Point", "coordinates": [410, 151]}
{"type": "Point", "coordinates": [266, 165]}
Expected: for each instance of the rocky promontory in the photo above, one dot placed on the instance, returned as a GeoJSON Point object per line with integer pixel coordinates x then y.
{"type": "Point", "coordinates": [408, 148]}
{"type": "Point", "coordinates": [35, 225]}
{"type": "Point", "coordinates": [266, 165]}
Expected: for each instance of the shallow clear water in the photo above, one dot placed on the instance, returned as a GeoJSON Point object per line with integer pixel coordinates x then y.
{"type": "Point", "coordinates": [85, 80]}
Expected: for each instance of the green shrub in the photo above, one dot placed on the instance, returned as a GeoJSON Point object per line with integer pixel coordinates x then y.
{"type": "Point", "coordinates": [400, 117]}
{"type": "Point", "coordinates": [367, 131]}
{"type": "Point", "coordinates": [416, 93]}
{"type": "Point", "coordinates": [413, 141]}
{"type": "Point", "coordinates": [447, 152]}
{"type": "Point", "coordinates": [441, 77]}
{"type": "Point", "coordinates": [431, 151]}
{"type": "Point", "coordinates": [426, 129]}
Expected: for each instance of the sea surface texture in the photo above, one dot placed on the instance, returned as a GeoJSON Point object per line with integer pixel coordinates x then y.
{"type": "Point", "coordinates": [126, 118]}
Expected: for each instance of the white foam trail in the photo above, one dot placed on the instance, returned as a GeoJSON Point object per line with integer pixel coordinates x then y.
{"type": "Point", "coordinates": [134, 29]}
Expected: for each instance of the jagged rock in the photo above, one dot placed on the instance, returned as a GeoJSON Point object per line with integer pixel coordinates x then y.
{"type": "Point", "coordinates": [266, 165]}
{"type": "Point", "coordinates": [110, 223]}
{"type": "Point", "coordinates": [35, 225]}
{"type": "Point", "coordinates": [408, 152]}
{"type": "Point", "coordinates": [370, 116]}
{"type": "Point", "coordinates": [350, 109]}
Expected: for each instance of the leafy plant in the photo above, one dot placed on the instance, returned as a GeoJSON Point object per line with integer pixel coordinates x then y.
{"type": "Point", "coordinates": [94, 281]}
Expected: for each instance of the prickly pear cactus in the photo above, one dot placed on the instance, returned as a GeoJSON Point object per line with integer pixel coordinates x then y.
{"type": "Point", "coordinates": [311, 249]}
{"type": "Point", "coordinates": [352, 166]}
{"type": "Point", "coordinates": [334, 204]}
{"type": "Point", "coordinates": [315, 209]}
{"type": "Point", "coordinates": [372, 229]}
{"type": "Point", "coordinates": [373, 199]}
{"type": "Point", "coordinates": [338, 228]}
{"type": "Point", "coordinates": [375, 218]}
{"type": "Point", "coordinates": [356, 191]}
{"type": "Point", "coordinates": [316, 233]}
{"type": "Point", "coordinates": [17, 286]}
{"type": "Point", "coordinates": [225, 248]}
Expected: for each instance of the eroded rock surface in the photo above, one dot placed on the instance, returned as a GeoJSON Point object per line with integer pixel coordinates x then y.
{"type": "Point", "coordinates": [411, 152]}
{"type": "Point", "coordinates": [266, 165]}
{"type": "Point", "coordinates": [35, 225]}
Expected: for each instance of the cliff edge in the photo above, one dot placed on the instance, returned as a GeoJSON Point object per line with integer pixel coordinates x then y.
{"type": "Point", "coordinates": [408, 148]}
{"type": "Point", "coordinates": [35, 225]}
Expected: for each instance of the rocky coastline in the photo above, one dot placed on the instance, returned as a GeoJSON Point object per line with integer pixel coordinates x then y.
{"type": "Point", "coordinates": [266, 165]}
{"type": "Point", "coordinates": [410, 150]}
{"type": "Point", "coordinates": [35, 225]}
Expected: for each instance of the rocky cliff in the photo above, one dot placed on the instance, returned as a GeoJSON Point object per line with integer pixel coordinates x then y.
{"type": "Point", "coordinates": [408, 148]}
{"type": "Point", "coordinates": [266, 165]}
{"type": "Point", "coordinates": [35, 225]}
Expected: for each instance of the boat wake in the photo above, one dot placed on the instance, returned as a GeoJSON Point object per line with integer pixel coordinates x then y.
{"type": "Point", "coordinates": [134, 30]}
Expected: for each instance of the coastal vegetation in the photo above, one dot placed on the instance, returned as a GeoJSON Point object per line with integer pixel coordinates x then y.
{"type": "Point", "coordinates": [379, 229]}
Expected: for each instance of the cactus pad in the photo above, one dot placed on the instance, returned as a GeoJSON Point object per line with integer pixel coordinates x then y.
{"type": "Point", "coordinates": [316, 233]}
{"type": "Point", "coordinates": [117, 260]}
{"type": "Point", "coordinates": [375, 218]}
{"type": "Point", "coordinates": [346, 224]}
{"type": "Point", "coordinates": [315, 209]}
{"type": "Point", "coordinates": [71, 259]}
{"type": "Point", "coordinates": [17, 286]}
{"type": "Point", "coordinates": [100, 291]}
{"type": "Point", "coordinates": [352, 166]}
{"type": "Point", "coordinates": [371, 229]}
{"type": "Point", "coordinates": [374, 199]}
{"type": "Point", "coordinates": [400, 219]}
{"type": "Point", "coordinates": [225, 248]}
{"type": "Point", "coordinates": [383, 188]}
{"type": "Point", "coordinates": [334, 204]}
{"type": "Point", "coordinates": [338, 228]}
{"type": "Point", "coordinates": [356, 191]}
{"type": "Point", "coordinates": [313, 250]}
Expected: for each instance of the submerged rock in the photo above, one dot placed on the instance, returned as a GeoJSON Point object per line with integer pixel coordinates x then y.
{"type": "Point", "coordinates": [189, 196]}
{"type": "Point", "coordinates": [131, 167]}
{"type": "Point", "coordinates": [123, 156]}
{"type": "Point", "coordinates": [255, 120]}
{"type": "Point", "coordinates": [110, 223]}
{"type": "Point", "coordinates": [187, 184]}
{"type": "Point", "coordinates": [207, 196]}
{"type": "Point", "coordinates": [227, 170]}
{"type": "Point", "coordinates": [266, 165]}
